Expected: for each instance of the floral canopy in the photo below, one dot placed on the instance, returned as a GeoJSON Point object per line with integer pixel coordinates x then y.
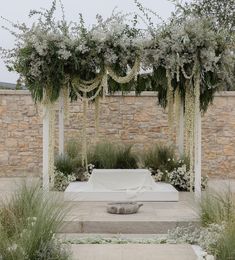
{"type": "Point", "coordinates": [188, 60]}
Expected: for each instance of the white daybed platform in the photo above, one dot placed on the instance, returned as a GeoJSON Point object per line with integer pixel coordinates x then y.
{"type": "Point", "coordinates": [120, 185]}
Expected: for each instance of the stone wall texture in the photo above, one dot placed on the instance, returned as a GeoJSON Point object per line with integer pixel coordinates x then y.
{"type": "Point", "coordinates": [129, 119]}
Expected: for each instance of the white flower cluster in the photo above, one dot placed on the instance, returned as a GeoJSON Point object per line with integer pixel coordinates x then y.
{"type": "Point", "coordinates": [206, 237]}
{"type": "Point", "coordinates": [61, 181]}
{"type": "Point", "coordinates": [180, 178]}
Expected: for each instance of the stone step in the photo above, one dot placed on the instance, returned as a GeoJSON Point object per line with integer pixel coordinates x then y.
{"type": "Point", "coordinates": [124, 227]}
{"type": "Point", "coordinates": [84, 236]}
{"type": "Point", "coordinates": [133, 252]}
{"type": "Point", "coordinates": [152, 218]}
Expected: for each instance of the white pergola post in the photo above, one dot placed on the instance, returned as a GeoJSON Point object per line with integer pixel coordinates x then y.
{"type": "Point", "coordinates": [61, 124]}
{"type": "Point", "coordinates": [45, 167]}
{"type": "Point", "coordinates": [181, 129]}
{"type": "Point", "coordinates": [197, 154]}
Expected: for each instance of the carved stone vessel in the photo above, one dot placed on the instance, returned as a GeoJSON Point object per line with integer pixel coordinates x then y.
{"type": "Point", "coordinates": [123, 207]}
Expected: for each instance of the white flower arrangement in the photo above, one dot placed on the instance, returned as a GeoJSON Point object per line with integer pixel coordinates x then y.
{"type": "Point", "coordinates": [51, 55]}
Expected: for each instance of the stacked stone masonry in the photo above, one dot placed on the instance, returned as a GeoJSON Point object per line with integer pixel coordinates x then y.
{"type": "Point", "coordinates": [129, 119]}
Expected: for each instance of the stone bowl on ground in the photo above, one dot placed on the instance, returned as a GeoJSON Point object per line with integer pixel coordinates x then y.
{"type": "Point", "coordinates": [123, 207]}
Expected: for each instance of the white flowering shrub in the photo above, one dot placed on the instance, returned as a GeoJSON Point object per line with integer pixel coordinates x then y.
{"type": "Point", "coordinates": [61, 181]}
{"type": "Point", "coordinates": [206, 237]}
{"type": "Point", "coordinates": [179, 177]}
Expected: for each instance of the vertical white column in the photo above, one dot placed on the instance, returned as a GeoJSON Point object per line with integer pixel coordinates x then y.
{"type": "Point", "coordinates": [45, 169]}
{"type": "Point", "coordinates": [61, 124]}
{"type": "Point", "coordinates": [197, 162]}
{"type": "Point", "coordinates": [181, 130]}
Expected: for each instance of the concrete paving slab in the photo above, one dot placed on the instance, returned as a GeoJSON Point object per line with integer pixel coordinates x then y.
{"type": "Point", "coordinates": [153, 217]}
{"type": "Point", "coordinates": [133, 252]}
{"type": "Point", "coordinates": [91, 217]}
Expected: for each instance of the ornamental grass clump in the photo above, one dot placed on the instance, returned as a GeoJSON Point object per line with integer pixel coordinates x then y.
{"type": "Point", "coordinates": [70, 163]}
{"type": "Point", "coordinates": [112, 156]}
{"type": "Point", "coordinates": [28, 222]}
{"type": "Point", "coordinates": [160, 160]}
{"type": "Point", "coordinates": [217, 207]}
{"type": "Point", "coordinates": [225, 246]}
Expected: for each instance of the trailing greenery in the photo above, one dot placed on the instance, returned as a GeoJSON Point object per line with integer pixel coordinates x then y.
{"type": "Point", "coordinates": [52, 55]}
{"type": "Point", "coordinates": [112, 156]}
{"type": "Point", "coordinates": [28, 222]}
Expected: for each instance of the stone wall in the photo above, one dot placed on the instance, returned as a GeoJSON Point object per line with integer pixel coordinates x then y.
{"type": "Point", "coordinates": [128, 119]}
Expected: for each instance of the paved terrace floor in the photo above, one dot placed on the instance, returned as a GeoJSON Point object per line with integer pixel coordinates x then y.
{"type": "Point", "coordinates": [90, 218]}
{"type": "Point", "coordinates": [133, 252]}
{"type": "Point", "coordinates": [153, 217]}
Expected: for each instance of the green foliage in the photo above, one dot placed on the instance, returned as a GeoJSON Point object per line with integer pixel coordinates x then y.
{"type": "Point", "coordinates": [104, 156]}
{"type": "Point", "coordinates": [217, 207]}
{"type": "Point", "coordinates": [160, 158]}
{"type": "Point", "coordinates": [112, 156]}
{"type": "Point", "coordinates": [73, 149]}
{"type": "Point", "coordinates": [51, 54]}
{"type": "Point", "coordinates": [61, 181]}
{"type": "Point", "coordinates": [28, 222]}
{"type": "Point", "coordinates": [221, 11]}
{"type": "Point", "coordinates": [66, 164]}
{"type": "Point", "coordinates": [70, 163]}
{"type": "Point", "coordinates": [126, 159]}
{"type": "Point", "coordinates": [225, 246]}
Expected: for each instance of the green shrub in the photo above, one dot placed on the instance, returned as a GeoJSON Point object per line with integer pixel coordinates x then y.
{"type": "Point", "coordinates": [103, 156]}
{"type": "Point", "coordinates": [62, 181]}
{"type": "Point", "coordinates": [126, 159]}
{"type": "Point", "coordinates": [66, 164]}
{"type": "Point", "coordinates": [70, 162]}
{"type": "Point", "coordinates": [28, 223]}
{"type": "Point", "coordinates": [112, 156]}
{"type": "Point", "coordinates": [160, 158]}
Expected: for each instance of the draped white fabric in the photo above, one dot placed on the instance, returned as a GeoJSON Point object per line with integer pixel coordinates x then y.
{"type": "Point", "coordinates": [121, 180]}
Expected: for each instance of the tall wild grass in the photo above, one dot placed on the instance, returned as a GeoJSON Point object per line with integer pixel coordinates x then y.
{"type": "Point", "coordinates": [28, 222]}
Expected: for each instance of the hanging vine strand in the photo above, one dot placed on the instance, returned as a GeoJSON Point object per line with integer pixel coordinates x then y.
{"type": "Point", "coordinates": [177, 111]}
{"type": "Point", "coordinates": [97, 115]}
{"type": "Point", "coordinates": [189, 126]}
{"type": "Point", "coordinates": [170, 105]}
{"type": "Point", "coordinates": [51, 109]}
{"type": "Point", "coordinates": [197, 105]}
{"type": "Point", "coordinates": [84, 135]}
{"type": "Point", "coordinates": [132, 74]}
